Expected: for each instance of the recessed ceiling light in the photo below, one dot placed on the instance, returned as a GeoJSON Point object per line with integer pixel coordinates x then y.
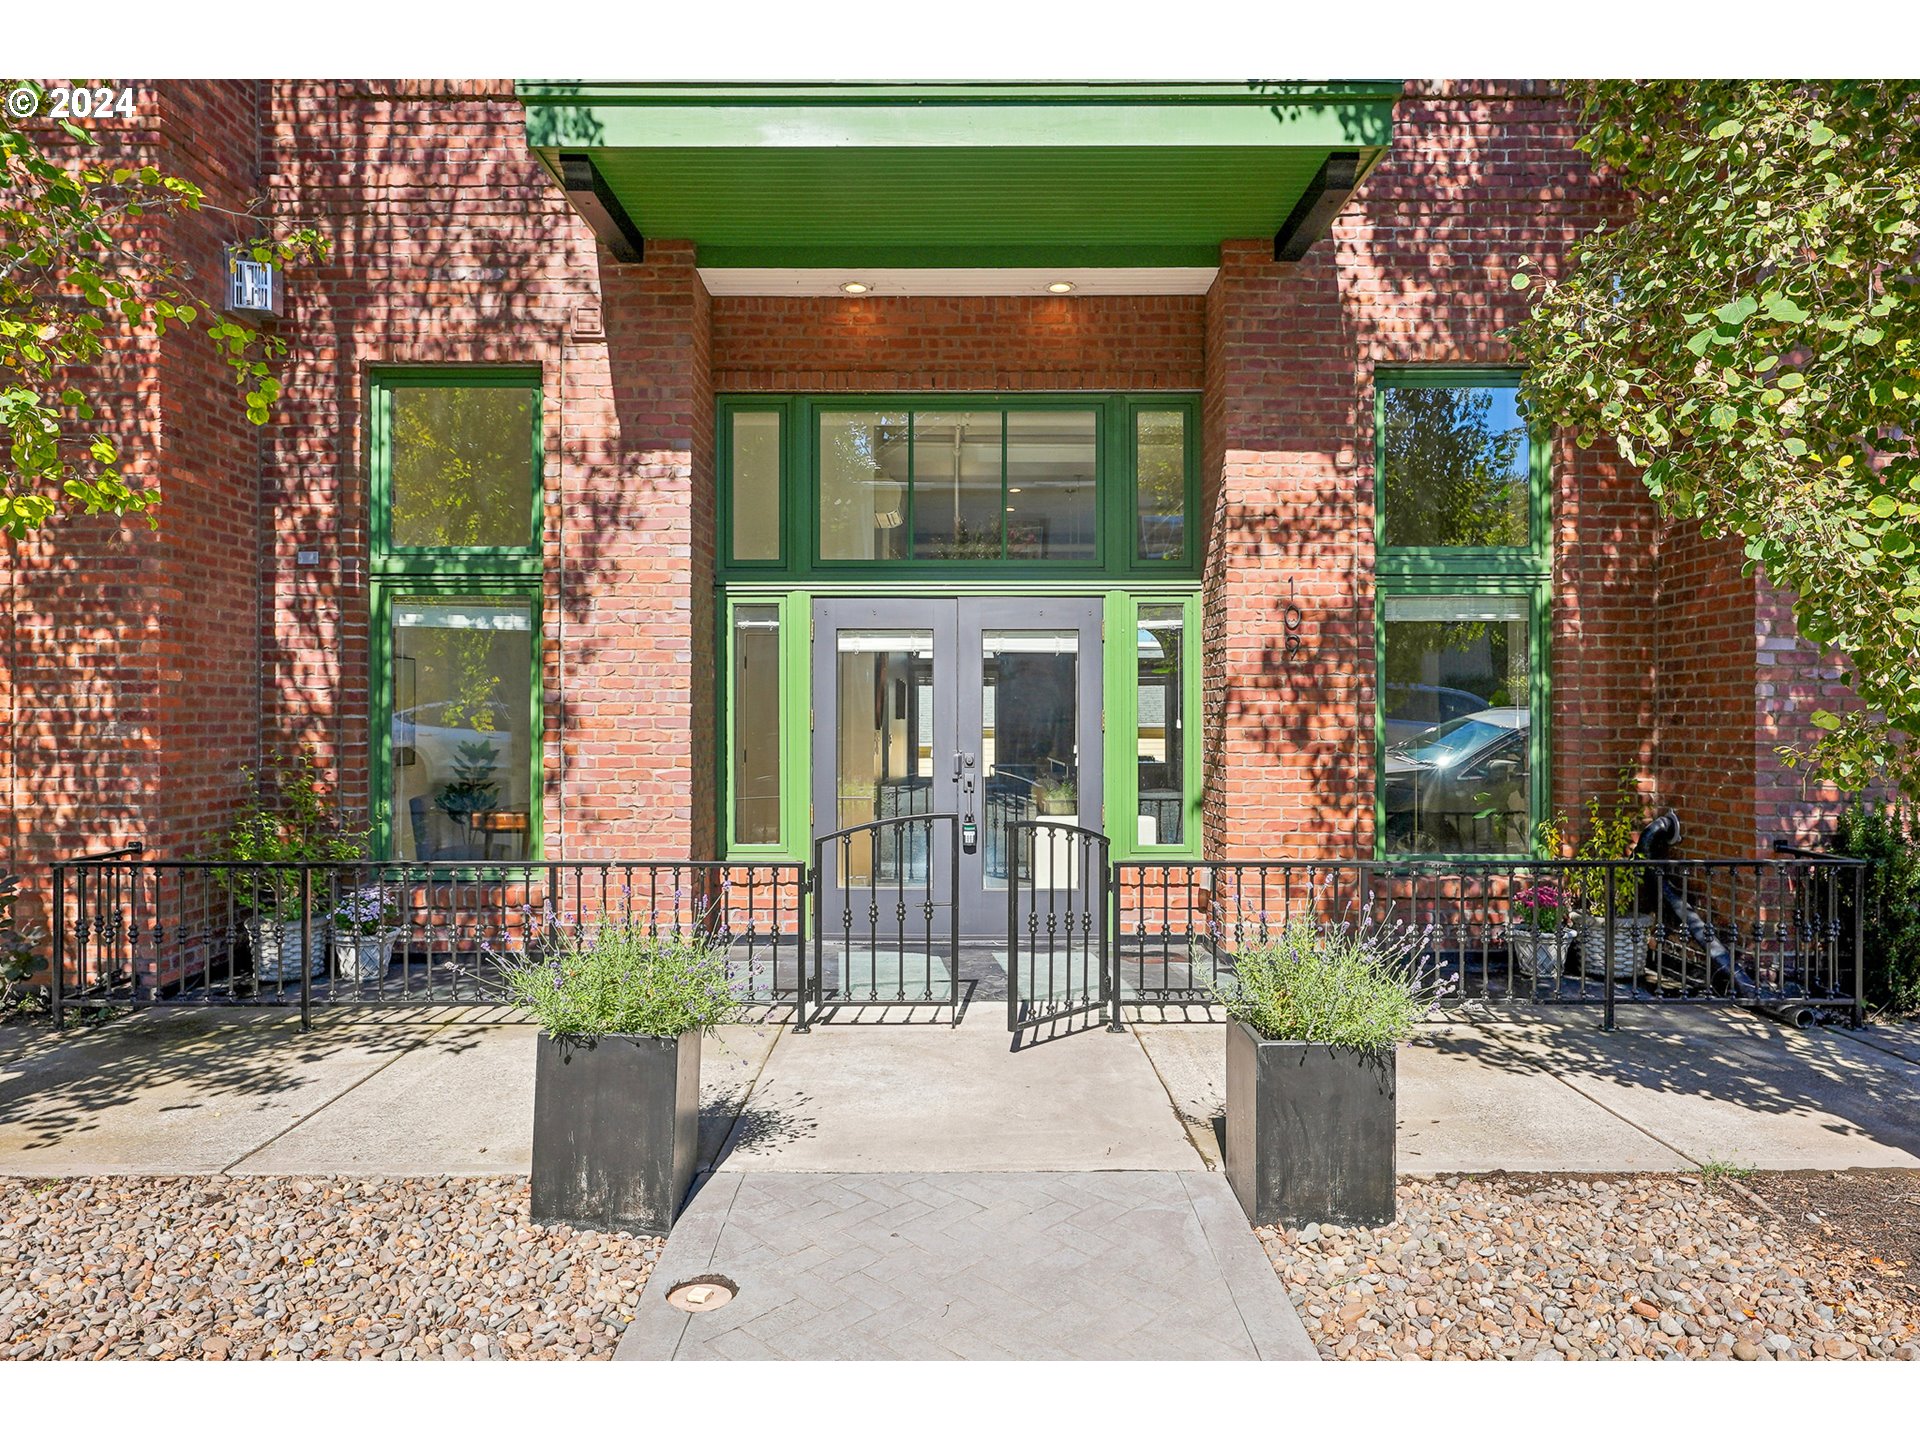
{"type": "Point", "coordinates": [1013, 490]}
{"type": "Point", "coordinates": [1061, 287]}
{"type": "Point", "coordinates": [854, 287]}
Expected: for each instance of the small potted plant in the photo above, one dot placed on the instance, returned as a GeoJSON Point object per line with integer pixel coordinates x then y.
{"type": "Point", "coordinates": [365, 925]}
{"type": "Point", "coordinates": [1610, 929]}
{"type": "Point", "coordinates": [1056, 795]}
{"type": "Point", "coordinates": [1537, 929]}
{"type": "Point", "coordinates": [262, 851]}
{"type": "Point", "coordinates": [1315, 1014]}
{"type": "Point", "coordinates": [616, 1081]}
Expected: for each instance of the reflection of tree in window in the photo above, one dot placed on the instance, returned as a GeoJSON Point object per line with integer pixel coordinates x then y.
{"type": "Point", "coordinates": [1455, 467]}
{"type": "Point", "coordinates": [462, 466]}
{"type": "Point", "coordinates": [1160, 482]}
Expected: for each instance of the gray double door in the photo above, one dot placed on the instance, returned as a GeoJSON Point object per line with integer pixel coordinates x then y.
{"type": "Point", "coordinates": [984, 708]}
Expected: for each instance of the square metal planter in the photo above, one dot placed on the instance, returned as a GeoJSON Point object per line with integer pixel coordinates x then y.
{"type": "Point", "coordinates": [1310, 1131]}
{"type": "Point", "coordinates": [616, 1130]}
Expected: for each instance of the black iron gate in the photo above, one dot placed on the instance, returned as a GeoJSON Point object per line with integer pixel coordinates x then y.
{"type": "Point", "coordinates": [1059, 909]}
{"type": "Point", "coordinates": [886, 921]}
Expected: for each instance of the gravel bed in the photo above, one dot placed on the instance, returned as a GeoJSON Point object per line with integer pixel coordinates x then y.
{"type": "Point", "coordinates": [233, 1268]}
{"type": "Point", "coordinates": [1546, 1268]}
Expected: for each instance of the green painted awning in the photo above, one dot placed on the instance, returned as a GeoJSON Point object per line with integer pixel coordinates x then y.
{"type": "Point", "coordinates": [1103, 174]}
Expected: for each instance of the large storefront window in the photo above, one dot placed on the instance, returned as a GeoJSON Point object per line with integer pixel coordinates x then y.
{"type": "Point", "coordinates": [457, 595]}
{"type": "Point", "coordinates": [813, 485]}
{"type": "Point", "coordinates": [1463, 573]}
{"type": "Point", "coordinates": [897, 502]}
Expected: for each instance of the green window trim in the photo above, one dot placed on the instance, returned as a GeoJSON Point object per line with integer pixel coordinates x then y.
{"type": "Point", "coordinates": [385, 592]}
{"type": "Point", "coordinates": [1120, 785]}
{"type": "Point", "coordinates": [1468, 571]}
{"type": "Point", "coordinates": [399, 572]}
{"type": "Point", "coordinates": [1120, 693]}
{"type": "Point", "coordinates": [388, 558]}
{"type": "Point", "coordinates": [796, 753]}
{"type": "Point", "coordinates": [1117, 518]}
{"type": "Point", "coordinates": [1392, 561]}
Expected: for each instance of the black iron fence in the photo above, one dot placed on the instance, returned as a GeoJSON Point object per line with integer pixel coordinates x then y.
{"type": "Point", "coordinates": [1775, 935]}
{"type": "Point", "coordinates": [886, 918]}
{"type": "Point", "coordinates": [876, 920]}
{"type": "Point", "coordinates": [131, 931]}
{"type": "Point", "coordinates": [1059, 915]}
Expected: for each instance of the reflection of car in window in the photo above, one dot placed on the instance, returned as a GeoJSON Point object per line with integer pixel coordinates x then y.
{"type": "Point", "coordinates": [1460, 787]}
{"type": "Point", "coordinates": [1413, 709]}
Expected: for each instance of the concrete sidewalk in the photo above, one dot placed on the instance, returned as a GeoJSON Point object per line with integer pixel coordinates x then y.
{"type": "Point", "coordinates": [199, 1092]}
{"type": "Point", "coordinates": [397, 1093]}
{"type": "Point", "coordinates": [1670, 1089]}
{"type": "Point", "coordinates": [1114, 1265]}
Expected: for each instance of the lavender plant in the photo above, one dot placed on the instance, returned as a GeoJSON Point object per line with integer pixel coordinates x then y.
{"type": "Point", "coordinates": [365, 912]}
{"type": "Point", "coordinates": [623, 979]}
{"type": "Point", "coordinates": [1358, 986]}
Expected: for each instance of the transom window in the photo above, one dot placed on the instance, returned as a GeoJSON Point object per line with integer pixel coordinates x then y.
{"type": "Point", "coordinates": [456, 563]}
{"type": "Point", "coordinates": [1091, 483]}
{"type": "Point", "coordinates": [1464, 569]}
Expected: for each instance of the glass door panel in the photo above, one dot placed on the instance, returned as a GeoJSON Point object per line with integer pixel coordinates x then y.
{"type": "Point", "coordinates": [883, 746]}
{"type": "Point", "coordinates": [1029, 737]}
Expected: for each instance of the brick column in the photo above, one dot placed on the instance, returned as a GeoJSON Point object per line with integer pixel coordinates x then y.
{"type": "Point", "coordinates": [1289, 737]}
{"type": "Point", "coordinates": [636, 677]}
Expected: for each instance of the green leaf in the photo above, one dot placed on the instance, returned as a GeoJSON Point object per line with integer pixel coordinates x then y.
{"type": "Point", "coordinates": [1735, 312]}
{"type": "Point", "coordinates": [1785, 308]}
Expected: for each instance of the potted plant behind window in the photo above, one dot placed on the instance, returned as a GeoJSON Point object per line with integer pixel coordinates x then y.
{"type": "Point", "coordinates": [1537, 929]}
{"type": "Point", "coordinates": [299, 827]}
{"type": "Point", "coordinates": [1057, 796]}
{"type": "Point", "coordinates": [1601, 907]}
{"type": "Point", "coordinates": [1315, 1014]}
{"type": "Point", "coordinates": [365, 925]}
{"type": "Point", "coordinates": [616, 1086]}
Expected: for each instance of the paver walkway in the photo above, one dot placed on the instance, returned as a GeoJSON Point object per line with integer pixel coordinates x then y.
{"type": "Point", "coordinates": [1116, 1265]}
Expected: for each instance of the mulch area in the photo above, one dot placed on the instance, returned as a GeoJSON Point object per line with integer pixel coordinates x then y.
{"type": "Point", "coordinates": [1595, 1267]}
{"type": "Point", "coordinates": [218, 1267]}
{"type": "Point", "coordinates": [1865, 1223]}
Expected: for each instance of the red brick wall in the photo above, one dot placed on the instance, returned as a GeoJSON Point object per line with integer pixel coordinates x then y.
{"type": "Point", "coordinates": [131, 652]}
{"type": "Point", "coordinates": [1416, 271]}
{"type": "Point", "coordinates": [1069, 342]}
{"type": "Point", "coordinates": [145, 667]}
{"type": "Point", "coordinates": [453, 246]}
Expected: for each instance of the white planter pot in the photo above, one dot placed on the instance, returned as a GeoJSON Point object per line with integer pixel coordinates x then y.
{"type": "Point", "coordinates": [276, 948]}
{"type": "Point", "coordinates": [1630, 934]}
{"type": "Point", "coordinates": [363, 957]}
{"type": "Point", "coordinates": [1538, 952]}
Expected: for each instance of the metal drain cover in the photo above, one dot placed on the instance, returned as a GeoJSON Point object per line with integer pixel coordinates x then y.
{"type": "Point", "coordinates": [703, 1292]}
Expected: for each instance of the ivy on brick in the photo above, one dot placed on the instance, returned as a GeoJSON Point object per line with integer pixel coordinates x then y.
{"type": "Point", "coordinates": [83, 263]}
{"type": "Point", "coordinates": [1748, 337]}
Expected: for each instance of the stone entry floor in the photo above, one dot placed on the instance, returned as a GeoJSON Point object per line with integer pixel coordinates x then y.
{"type": "Point", "coordinates": [1113, 1265]}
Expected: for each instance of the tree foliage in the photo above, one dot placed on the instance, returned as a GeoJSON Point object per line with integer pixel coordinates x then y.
{"type": "Point", "coordinates": [82, 261]}
{"type": "Point", "coordinates": [1749, 337]}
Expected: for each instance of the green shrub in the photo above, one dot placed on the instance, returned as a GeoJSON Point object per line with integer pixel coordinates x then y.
{"type": "Point", "coordinates": [1889, 836]}
{"type": "Point", "coordinates": [622, 980]}
{"type": "Point", "coordinates": [300, 825]}
{"type": "Point", "coordinates": [1356, 987]}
